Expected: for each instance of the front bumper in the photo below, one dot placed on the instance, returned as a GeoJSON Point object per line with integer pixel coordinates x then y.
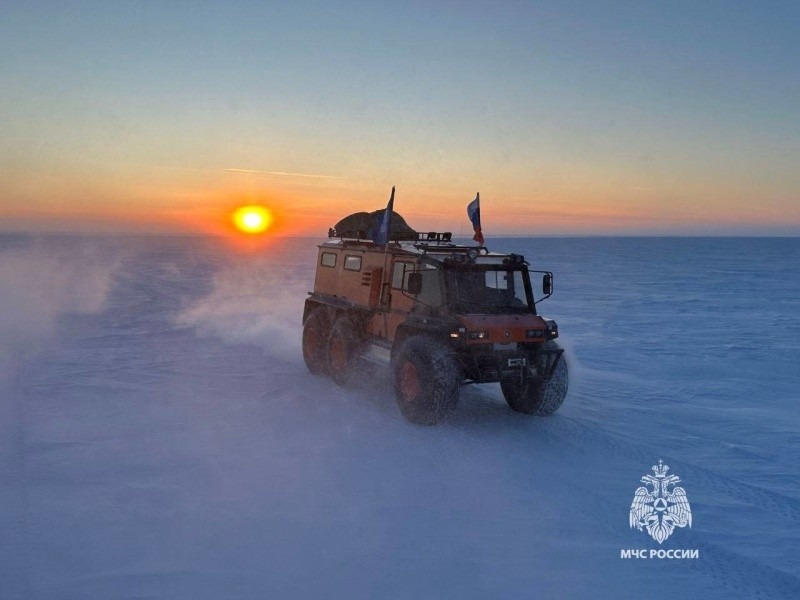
{"type": "Point", "coordinates": [487, 365]}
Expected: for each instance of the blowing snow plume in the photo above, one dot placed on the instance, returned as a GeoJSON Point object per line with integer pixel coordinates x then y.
{"type": "Point", "coordinates": [38, 283]}
{"type": "Point", "coordinates": [256, 302]}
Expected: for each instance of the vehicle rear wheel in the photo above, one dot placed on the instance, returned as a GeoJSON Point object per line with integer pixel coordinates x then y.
{"type": "Point", "coordinates": [426, 380]}
{"type": "Point", "coordinates": [344, 345]}
{"type": "Point", "coordinates": [533, 396]}
{"type": "Point", "coordinates": [316, 331]}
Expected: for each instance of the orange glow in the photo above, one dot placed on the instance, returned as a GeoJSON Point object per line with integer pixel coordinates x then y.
{"type": "Point", "coordinates": [206, 203]}
{"type": "Point", "coordinates": [252, 219]}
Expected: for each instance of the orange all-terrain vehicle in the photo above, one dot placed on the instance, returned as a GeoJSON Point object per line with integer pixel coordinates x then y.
{"type": "Point", "coordinates": [439, 313]}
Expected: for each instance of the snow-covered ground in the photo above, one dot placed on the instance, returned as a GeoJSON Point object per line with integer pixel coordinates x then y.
{"type": "Point", "coordinates": [160, 436]}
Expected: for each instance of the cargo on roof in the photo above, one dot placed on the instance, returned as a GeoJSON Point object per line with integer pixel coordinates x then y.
{"type": "Point", "coordinates": [360, 225]}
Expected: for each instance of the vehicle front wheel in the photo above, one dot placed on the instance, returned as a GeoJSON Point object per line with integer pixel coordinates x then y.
{"type": "Point", "coordinates": [426, 380]}
{"type": "Point", "coordinates": [533, 396]}
{"type": "Point", "coordinates": [316, 330]}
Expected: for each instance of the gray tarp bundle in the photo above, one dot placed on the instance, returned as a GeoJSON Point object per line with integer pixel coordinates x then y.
{"type": "Point", "coordinates": [361, 224]}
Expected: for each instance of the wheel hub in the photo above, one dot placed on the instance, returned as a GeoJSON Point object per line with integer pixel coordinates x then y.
{"type": "Point", "coordinates": [409, 381]}
{"type": "Point", "coordinates": [338, 354]}
{"type": "Point", "coordinates": [312, 341]}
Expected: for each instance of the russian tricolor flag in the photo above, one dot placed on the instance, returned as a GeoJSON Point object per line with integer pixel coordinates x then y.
{"type": "Point", "coordinates": [474, 213]}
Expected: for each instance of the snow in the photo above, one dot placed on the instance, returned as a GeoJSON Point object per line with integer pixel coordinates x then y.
{"type": "Point", "coordinates": [162, 438]}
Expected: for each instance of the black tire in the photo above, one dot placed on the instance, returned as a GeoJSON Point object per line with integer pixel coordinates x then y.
{"type": "Point", "coordinates": [344, 345]}
{"type": "Point", "coordinates": [536, 397]}
{"type": "Point", "coordinates": [316, 331]}
{"type": "Point", "coordinates": [426, 380]}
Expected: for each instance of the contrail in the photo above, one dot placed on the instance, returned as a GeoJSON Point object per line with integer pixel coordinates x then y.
{"type": "Point", "coordinates": [284, 173]}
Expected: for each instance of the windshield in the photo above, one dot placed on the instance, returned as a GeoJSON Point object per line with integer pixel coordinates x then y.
{"type": "Point", "coordinates": [488, 291]}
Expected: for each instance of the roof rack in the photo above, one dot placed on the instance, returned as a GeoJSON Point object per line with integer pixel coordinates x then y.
{"type": "Point", "coordinates": [358, 235]}
{"type": "Point", "coordinates": [430, 237]}
{"type": "Point", "coordinates": [434, 237]}
{"type": "Point", "coordinates": [454, 250]}
{"type": "Point", "coordinates": [437, 242]}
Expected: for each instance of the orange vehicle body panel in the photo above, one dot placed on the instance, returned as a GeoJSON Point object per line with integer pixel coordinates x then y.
{"type": "Point", "coordinates": [363, 286]}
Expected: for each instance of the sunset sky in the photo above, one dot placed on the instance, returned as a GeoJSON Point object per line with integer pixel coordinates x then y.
{"type": "Point", "coordinates": [568, 117]}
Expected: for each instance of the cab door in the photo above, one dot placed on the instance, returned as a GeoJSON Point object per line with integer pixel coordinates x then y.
{"type": "Point", "coordinates": [401, 301]}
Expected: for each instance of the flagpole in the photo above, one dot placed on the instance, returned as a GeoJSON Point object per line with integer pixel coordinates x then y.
{"type": "Point", "coordinates": [478, 197]}
{"type": "Point", "coordinates": [385, 257]}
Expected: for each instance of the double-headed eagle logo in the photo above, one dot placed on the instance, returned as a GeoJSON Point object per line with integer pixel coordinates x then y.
{"type": "Point", "coordinates": [660, 510]}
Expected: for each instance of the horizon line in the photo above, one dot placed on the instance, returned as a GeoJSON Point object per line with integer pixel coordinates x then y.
{"type": "Point", "coordinates": [310, 236]}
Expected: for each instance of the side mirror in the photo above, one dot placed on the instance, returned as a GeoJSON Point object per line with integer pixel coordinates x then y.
{"type": "Point", "coordinates": [547, 284]}
{"type": "Point", "coordinates": [414, 285]}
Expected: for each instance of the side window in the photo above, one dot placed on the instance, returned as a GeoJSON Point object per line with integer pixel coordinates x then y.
{"type": "Point", "coordinates": [352, 263]}
{"type": "Point", "coordinates": [328, 259]}
{"type": "Point", "coordinates": [400, 274]}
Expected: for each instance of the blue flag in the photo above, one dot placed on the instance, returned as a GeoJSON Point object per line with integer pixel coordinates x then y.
{"type": "Point", "coordinates": [474, 214]}
{"type": "Point", "coordinates": [383, 224]}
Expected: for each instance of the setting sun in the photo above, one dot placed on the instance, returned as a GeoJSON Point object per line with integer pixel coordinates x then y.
{"type": "Point", "coordinates": [252, 219]}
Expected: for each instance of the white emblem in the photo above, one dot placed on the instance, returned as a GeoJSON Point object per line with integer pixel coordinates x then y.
{"type": "Point", "coordinates": [660, 510]}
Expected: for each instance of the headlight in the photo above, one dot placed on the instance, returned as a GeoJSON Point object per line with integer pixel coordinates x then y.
{"type": "Point", "coordinates": [552, 329]}
{"type": "Point", "coordinates": [534, 334]}
{"type": "Point", "coordinates": [478, 335]}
